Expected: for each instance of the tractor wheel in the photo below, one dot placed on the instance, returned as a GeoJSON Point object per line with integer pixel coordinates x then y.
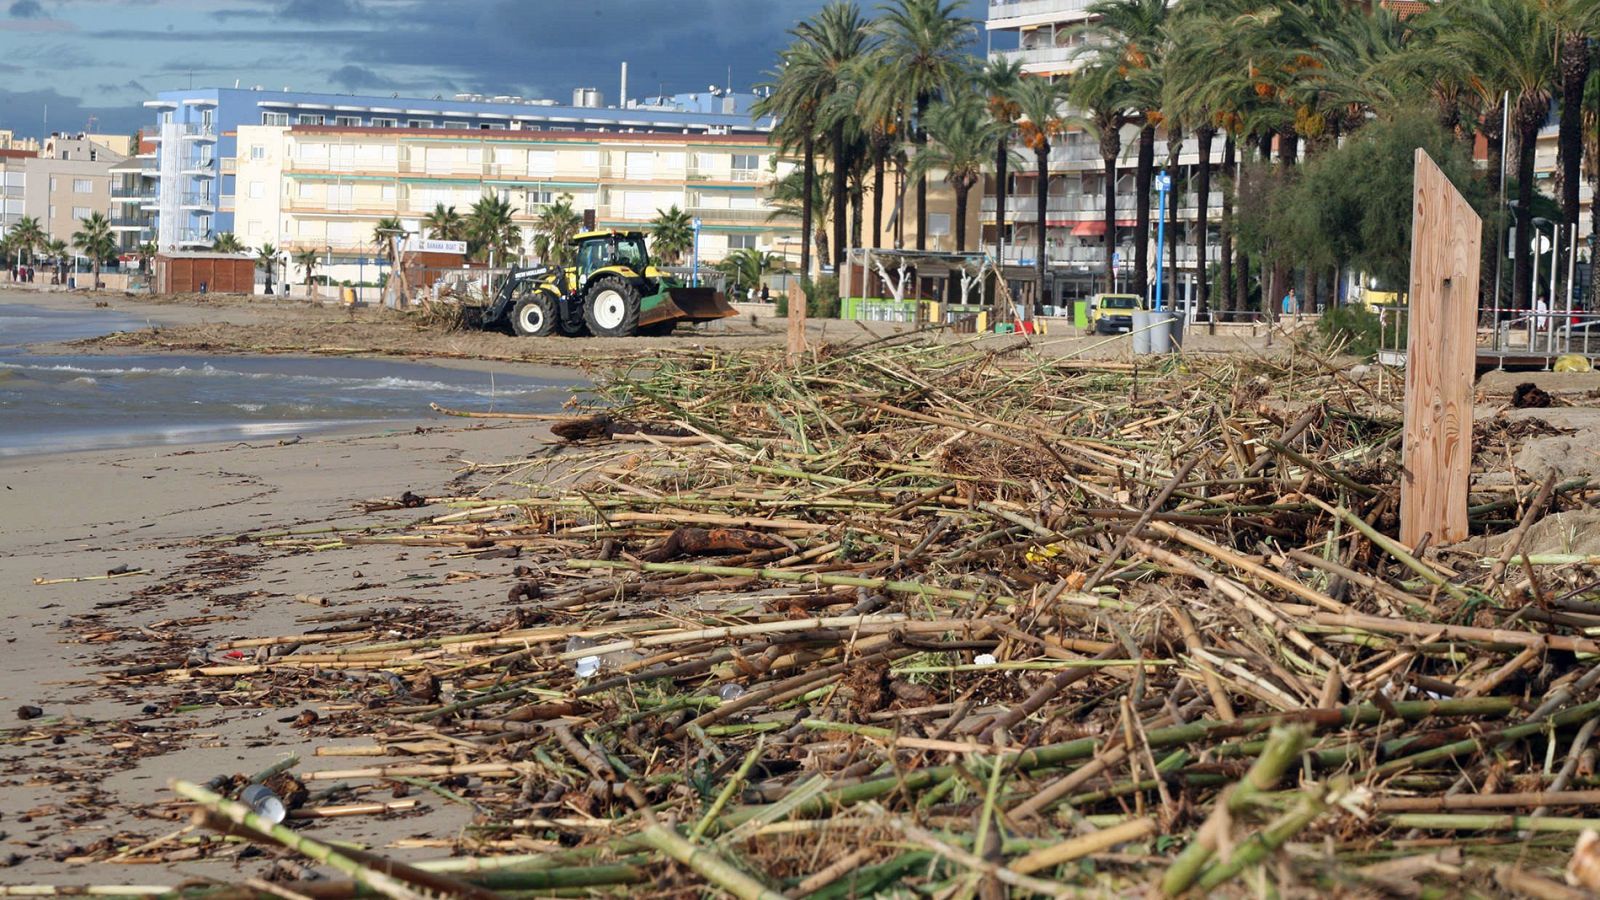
{"type": "Point", "coordinates": [611, 308]}
{"type": "Point", "coordinates": [534, 315]}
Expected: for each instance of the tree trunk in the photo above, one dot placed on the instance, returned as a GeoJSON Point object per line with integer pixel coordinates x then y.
{"type": "Point", "coordinates": [1524, 290]}
{"type": "Point", "coordinates": [1493, 130]}
{"type": "Point", "coordinates": [841, 196]}
{"type": "Point", "coordinates": [808, 180]}
{"type": "Point", "coordinates": [1001, 160]}
{"type": "Point", "coordinates": [922, 180]}
{"type": "Point", "coordinates": [1593, 302]}
{"type": "Point", "coordinates": [1041, 192]}
{"type": "Point", "coordinates": [1492, 126]}
{"type": "Point", "coordinates": [857, 215]}
{"type": "Point", "coordinates": [961, 189]}
{"type": "Point", "coordinates": [1110, 160]}
{"type": "Point", "coordinates": [1141, 216]}
{"type": "Point", "coordinates": [1202, 137]}
{"type": "Point", "coordinates": [1169, 293]}
{"type": "Point", "coordinates": [1574, 74]}
{"type": "Point", "coordinates": [877, 202]}
{"type": "Point", "coordinates": [1229, 302]}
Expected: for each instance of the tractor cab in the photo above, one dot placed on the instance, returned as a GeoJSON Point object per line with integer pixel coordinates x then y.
{"type": "Point", "coordinates": [603, 249]}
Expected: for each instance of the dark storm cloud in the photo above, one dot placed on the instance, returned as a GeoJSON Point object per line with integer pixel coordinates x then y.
{"type": "Point", "coordinates": [24, 112]}
{"type": "Point", "coordinates": [26, 9]}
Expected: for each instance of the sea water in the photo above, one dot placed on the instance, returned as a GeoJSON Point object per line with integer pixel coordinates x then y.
{"type": "Point", "coordinates": [64, 401]}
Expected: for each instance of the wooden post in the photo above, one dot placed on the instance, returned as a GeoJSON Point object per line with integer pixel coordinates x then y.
{"type": "Point", "coordinates": [1440, 355]}
{"type": "Point", "coordinates": [797, 323]}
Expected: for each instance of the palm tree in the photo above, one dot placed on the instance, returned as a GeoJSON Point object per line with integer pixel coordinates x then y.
{"type": "Point", "coordinates": [94, 238]}
{"type": "Point", "coordinates": [961, 138]}
{"type": "Point", "coordinates": [797, 111]}
{"type": "Point", "coordinates": [147, 253]}
{"type": "Point", "coordinates": [789, 202]}
{"type": "Point", "coordinates": [833, 46]}
{"type": "Point", "coordinates": [927, 42]}
{"type": "Point", "coordinates": [444, 223]}
{"type": "Point", "coordinates": [746, 267]}
{"type": "Point", "coordinates": [1039, 107]}
{"type": "Point", "coordinates": [307, 260]}
{"type": "Point", "coordinates": [27, 235]}
{"type": "Point", "coordinates": [671, 233]}
{"type": "Point", "coordinates": [1129, 38]}
{"type": "Point", "coordinates": [1101, 89]}
{"type": "Point", "coordinates": [1000, 80]}
{"type": "Point", "coordinates": [226, 242]}
{"type": "Point", "coordinates": [490, 228]}
{"type": "Point", "coordinates": [1591, 149]}
{"type": "Point", "coordinates": [1575, 22]}
{"type": "Point", "coordinates": [56, 249]}
{"type": "Point", "coordinates": [553, 230]}
{"type": "Point", "coordinates": [1510, 43]}
{"type": "Point", "coordinates": [267, 259]}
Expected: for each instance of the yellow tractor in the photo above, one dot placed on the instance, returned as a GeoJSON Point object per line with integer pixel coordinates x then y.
{"type": "Point", "coordinates": [612, 291]}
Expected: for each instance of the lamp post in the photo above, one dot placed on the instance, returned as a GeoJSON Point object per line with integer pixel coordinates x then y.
{"type": "Point", "coordinates": [1163, 184]}
{"type": "Point", "coordinates": [694, 278]}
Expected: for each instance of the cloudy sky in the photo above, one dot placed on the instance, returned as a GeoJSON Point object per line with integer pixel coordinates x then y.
{"type": "Point", "coordinates": [101, 58]}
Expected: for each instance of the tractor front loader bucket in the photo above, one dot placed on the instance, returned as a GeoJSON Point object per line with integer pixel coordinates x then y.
{"type": "Point", "coordinates": [686, 304]}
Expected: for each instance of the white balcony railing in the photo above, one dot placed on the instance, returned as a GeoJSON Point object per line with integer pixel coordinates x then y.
{"type": "Point", "coordinates": [1016, 9]}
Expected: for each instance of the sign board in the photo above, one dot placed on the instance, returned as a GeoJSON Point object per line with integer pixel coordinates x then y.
{"type": "Point", "coordinates": [416, 244]}
{"type": "Point", "coordinates": [1116, 257]}
{"type": "Point", "coordinates": [1163, 182]}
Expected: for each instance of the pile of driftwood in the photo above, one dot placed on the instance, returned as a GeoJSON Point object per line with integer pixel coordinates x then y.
{"type": "Point", "coordinates": [937, 619]}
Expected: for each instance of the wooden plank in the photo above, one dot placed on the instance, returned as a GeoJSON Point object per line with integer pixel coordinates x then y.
{"type": "Point", "coordinates": [797, 323]}
{"type": "Point", "coordinates": [1440, 355]}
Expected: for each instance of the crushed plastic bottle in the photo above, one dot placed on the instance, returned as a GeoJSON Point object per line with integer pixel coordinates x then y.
{"type": "Point", "coordinates": [730, 692]}
{"type": "Point", "coordinates": [585, 666]}
{"type": "Point", "coordinates": [263, 802]}
{"type": "Point", "coordinates": [984, 659]}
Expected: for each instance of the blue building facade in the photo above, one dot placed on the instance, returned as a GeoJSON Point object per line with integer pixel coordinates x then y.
{"type": "Point", "coordinates": [192, 189]}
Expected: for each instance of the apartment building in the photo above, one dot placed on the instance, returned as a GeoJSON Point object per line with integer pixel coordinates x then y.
{"type": "Point", "coordinates": [10, 141]}
{"type": "Point", "coordinates": [133, 191]}
{"type": "Point", "coordinates": [326, 187]}
{"type": "Point", "coordinates": [69, 186]}
{"type": "Point", "coordinates": [1048, 41]}
{"type": "Point", "coordinates": [13, 186]}
{"type": "Point", "coordinates": [195, 191]}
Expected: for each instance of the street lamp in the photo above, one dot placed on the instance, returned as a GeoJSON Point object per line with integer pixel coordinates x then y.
{"type": "Point", "coordinates": [694, 278]}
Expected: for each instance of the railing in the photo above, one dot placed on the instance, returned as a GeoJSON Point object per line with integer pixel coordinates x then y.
{"type": "Point", "coordinates": [201, 200]}
{"type": "Point", "coordinates": [199, 131]}
{"type": "Point", "coordinates": [194, 236]}
{"type": "Point", "coordinates": [130, 222]}
{"type": "Point", "coordinates": [1011, 9]}
{"type": "Point", "coordinates": [726, 214]}
{"type": "Point", "coordinates": [1553, 333]}
{"type": "Point", "coordinates": [131, 194]}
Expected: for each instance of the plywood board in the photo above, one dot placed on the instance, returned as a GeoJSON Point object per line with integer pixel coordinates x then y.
{"type": "Point", "coordinates": [1440, 354]}
{"type": "Point", "coordinates": [797, 323]}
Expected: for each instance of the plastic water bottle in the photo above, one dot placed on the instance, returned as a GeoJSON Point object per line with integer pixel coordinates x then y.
{"type": "Point", "coordinates": [263, 802]}
{"type": "Point", "coordinates": [585, 666]}
{"type": "Point", "coordinates": [730, 692]}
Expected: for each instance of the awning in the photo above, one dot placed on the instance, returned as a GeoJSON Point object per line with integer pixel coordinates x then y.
{"type": "Point", "coordinates": [1089, 229]}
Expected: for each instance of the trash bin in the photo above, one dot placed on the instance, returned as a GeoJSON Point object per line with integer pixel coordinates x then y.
{"type": "Point", "coordinates": [1179, 325]}
{"type": "Point", "coordinates": [349, 296]}
{"type": "Point", "coordinates": [1141, 332]}
{"type": "Point", "coordinates": [1161, 332]}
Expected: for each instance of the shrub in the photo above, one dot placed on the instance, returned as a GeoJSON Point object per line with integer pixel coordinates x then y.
{"type": "Point", "coordinates": [822, 297]}
{"type": "Point", "coordinates": [1361, 332]}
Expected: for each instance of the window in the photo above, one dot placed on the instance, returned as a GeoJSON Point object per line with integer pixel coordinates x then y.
{"type": "Point", "coordinates": [542, 163]}
{"type": "Point", "coordinates": [258, 190]}
{"type": "Point", "coordinates": [205, 224]}
{"type": "Point", "coordinates": [347, 121]}
{"type": "Point", "coordinates": [309, 119]}
{"type": "Point", "coordinates": [81, 212]}
{"type": "Point", "coordinates": [388, 193]}
{"type": "Point", "coordinates": [495, 126]}
{"type": "Point", "coordinates": [83, 185]}
{"type": "Point", "coordinates": [419, 123]}
{"type": "Point", "coordinates": [457, 125]}
{"type": "Point", "coordinates": [279, 119]}
{"type": "Point", "coordinates": [255, 229]}
{"type": "Point", "coordinates": [52, 184]}
{"type": "Point", "coordinates": [539, 197]}
{"type": "Point", "coordinates": [258, 152]}
{"type": "Point", "coordinates": [385, 123]}
{"type": "Point", "coordinates": [741, 242]}
{"type": "Point", "coordinates": [748, 162]}
{"type": "Point", "coordinates": [305, 191]}
{"type": "Point", "coordinates": [52, 212]}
